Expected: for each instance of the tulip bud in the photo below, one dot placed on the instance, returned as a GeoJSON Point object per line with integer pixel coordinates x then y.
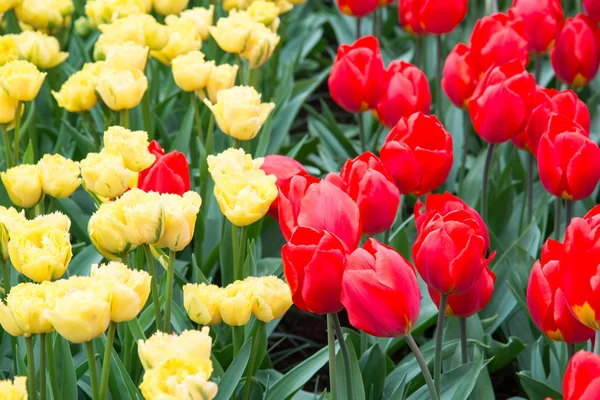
{"type": "Point", "coordinates": [121, 89]}
{"type": "Point", "coordinates": [357, 8]}
{"type": "Point", "coordinates": [418, 154]}
{"type": "Point", "coordinates": [543, 20]}
{"type": "Point", "coordinates": [180, 220]}
{"type": "Point", "coordinates": [16, 390]}
{"type": "Point", "coordinates": [109, 232]}
{"type": "Point", "coordinates": [128, 55]}
{"type": "Point", "coordinates": [83, 27]}
{"type": "Point", "coordinates": [8, 322]}
{"type": "Point", "coordinates": [576, 55]}
{"type": "Point", "coordinates": [131, 145]}
{"type": "Point", "coordinates": [232, 33]}
{"type": "Point", "coordinates": [202, 303]}
{"type": "Point", "coordinates": [169, 174]}
{"type": "Point", "coordinates": [201, 17]}
{"type": "Point", "coordinates": [59, 175]}
{"type": "Point", "coordinates": [284, 168]}
{"type": "Point", "coordinates": [460, 75]}
{"type": "Point", "coordinates": [236, 303]}
{"type": "Point", "coordinates": [313, 264]}
{"type": "Point", "coordinates": [189, 345]}
{"type": "Point", "coordinates": [105, 174]}
{"type": "Point", "coordinates": [187, 379]}
{"type": "Point", "coordinates": [21, 80]}
{"type": "Point", "coordinates": [592, 9]}
{"type": "Point", "coordinates": [426, 14]}
{"type": "Point", "coordinates": [581, 381]}
{"type": "Point", "coordinates": [222, 77]}
{"type": "Point", "coordinates": [28, 305]}
{"type": "Point", "coordinates": [191, 72]}
{"type": "Point", "coordinates": [166, 7]}
{"type": "Point", "coordinates": [78, 93]}
{"type": "Point", "coordinates": [357, 75]}
{"type": "Point", "coordinates": [272, 297]}
{"type": "Point", "coordinates": [406, 91]}
{"type": "Point", "coordinates": [40, 49]}
{"type": "Point", "coordinates": [183, 38]}
{"type": "Point", "coordinates": [8, 107]}
{"type": "Point", "coordinates": [23, 185]}
{"type": "Point", "coordinates": [260, 46]}
{"type": "Point", "coordinates": [380, 291]}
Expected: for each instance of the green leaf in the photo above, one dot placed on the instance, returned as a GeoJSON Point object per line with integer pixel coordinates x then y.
{"type": "Point", "coordinates": [373, 369]}
{"type": "Point", "coordinates": [358, 389]}
{"type": "Point", "coordinates": [234, 373]}
{"type": "Point", "coordinates": [182, 139]}
{"type": "Point", "coordinates": [81, 264]}
{"type": "Point", "coordinates": [136, 329]}
{"type": "Point", "coordinates": [68, 379]}
{"type": "Point", "coordinates": [28, 156]}
{"type": "Point", "coordinates": [535, 389]}
{"type": "Point", "coordinates": [503, 353]}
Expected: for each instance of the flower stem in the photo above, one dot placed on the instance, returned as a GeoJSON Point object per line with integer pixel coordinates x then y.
{"type": "Point", "coordinates": [147, 115]}
{"type": "Point", "coordinates": [418, 60]}
{"type": "Point", "coordinates": [484, 187]}
{"type": "Point", "coordinates": [31, 368]}
{"type": "Point", "coordinates": [210, 134]}
{"type": "Point", "coordinates": [439, 341]}
{"type": "Point", "coordinates": [170, 284]}
{"type": "Point", "coordinates": [557, 217]}
{"type": "Point", "coordinates": [253, 355]}
{"type": "Point", "coordinates": [568, 212]}
{"type": "Point", "coordinates": [421, 361]}
{"type": "Point", "coordinates": [197, 117]}
{"type": "Point", "coordinates": [358, 26]}
{"type": "Point", "coordinates": [464, 349]}
{"type": "Point", "coordinates": [7, 146]}
{"type": "Point", "coordinates": [345, 355]}
{"type": "Point", "coordinates": [241, 65]}
{"type": "Point", "coordinates": [43, 366]}
{"type": "Point", "coordinates": [51, 368]}
{"type": "Point", "coordinates": [124, 118]}
{"type": "Point", "coordinates": [242, 253]}
{"type": "Point", "coordinates": [361, 132]}
{"type": "Point", "coordinates": [530, 172]}
{"type": "Point", "coordinates": [597, 343]}
{"type": "Point", "coordinates": [238, 339]}
{"type": "Point", "coordinates": [5, 277]}
{"type": "Point", "coordinates": [17, 133]}
{"type": "Point", "coordinates": [570, 351]}
{"type": "Point", "coordinates": [439, 110]}
{"type": "Point", "coordinates": [332, 369]}
{"type": "Point", "coordinates": [154, 286]}
{"type": "Point", "coordinates": [235, 245]}
{"type": "Point", "coordinates": [93, 129]}
{"type": "Point", "coordinates": [89, 349]}
{"type": "Point", "coordinates": [465, 149]}
{"type": "Point", "coordinates": [110, 338]}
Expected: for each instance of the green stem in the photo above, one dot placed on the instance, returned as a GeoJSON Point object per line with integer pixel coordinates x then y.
{"type": "Point", "coordinates": [361, 131]}
{"type": "Point", "coordinates": [484, 186]}
{"type": "Point", "coordinates": [253, 356]}
{"type": "Point", "coordinates": [358, 26]}
{"type": "Point", "coordinates": [423, 365]}
{"type": "Point", "coordinates": [530, 172]}
{"type": "Point", "coordinates": [254, 78]}
{"type": "Point", "coordinates": [570, 351]}
{"type": "Point", "coordinates": [597, 343]}
{"type": "Point", "coordinates": [147, 115]}
{"type": "Point", "coordinates": [52, 368]}
{"type": "Point", "coordinates": [110, 338]}
{"type": "Point", "coordinates": [124, 118]}
{"type": "Point", "coordinates": [242, 75]}
{"type": "Point", "coordinates": [568, 212]}
{"type": "Point", "coordinates": [345, 355]}
{"type": "Point", "coordinates": [464, 349]}
{"type": "Point", "coordinates": [332, 368]}
{"type": "Point", "coordinates": [364, 342]}
{"type": "Point", "coordinates": [242, 255]}
{"type": "Point", "coordinates": [235, 244]}
{"type": "Point", "coordinates": [17, 133]}
{"type": "Point", "coordinates": [50, 205]}
{"type": "Point", "coordinates": [209, 134]}
{"type": "Point", "coordinates": [43, 366]}
{"type": "Point", "coordinates": [154, 285]}
{"type": "Point", "coordinates": [418, 60]}
{"type": "Point", "coordinates": [89, 349]}
{"type": "Point", "coordinates": [197, 118]}
{"type": "Point", "coordinates": [5, 277]}
{"type": "Point", "coordinates": [170, 284]}
{"type": "Point", "coordinates": [557, 217]}
{"type": "Point", "coordinates": [7, 146]}
{"type": "Point", "coordinates": [439, 341]}
{"type": "Point", "coordinates": [238, 339]}
{"type": "Point", "coordinates": [236, 143]}
{"type": "Point", "coordinates": [465, 149]}
{"type": "Point", "coordinates": [31, 369]}
{"type": "Point", "coordinates": [439, 64]}
{"type": "Point", "coordinates": [93, 129]}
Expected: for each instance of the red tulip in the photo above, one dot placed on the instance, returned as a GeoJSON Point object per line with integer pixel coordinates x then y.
{"type": "Point", "coordinates": [567, 160]}
{"type": "Point", "coordinates": [473, 300]}
{"type": "Point", "coordinates": [460, 75]}
{"type": "Point", "coordinates": [502, 102]}
{"type": "Point", "coordinates": [582, 378]}
{"type": "Point", "coordinates": [418, 154]}
{"type": "Point", "coordinates": [444, 204]}
{"type": "Point", "coordinates": [592, 9]}
{"type": "Point", "coordinates": [170, 173]}
{"type": "Point", "coordinates": [576, 55]}
{"type": "Point", "coordinates": [543, 21]}
{"type": "Point", "coordinates": [547, 304]}
{"type": "Point", "coordinates": [380, 291]}
{"type": "Point", "coordinates": [306, 201]}
{"type": "Point", "coordinates": [498, 39]}
{"type": "Point", "coordinates": [370, 185]}
{"type": "Point", "coordinates": [433, 16]}
{"type": "Point", "coordinates": [449, 252]}
{"type": "Point", "coordinates": [313, 264]}
{"type": "Point", "coordinates": [357, 8]}
{"type": "Point", "coordinates": [283, 168]}
{"type": "Point", "coordinates": [357, 76]}
{"type": "Point", "coordinates": [409, 18]}
{"type": "Point", "coordinates": [406, 91]}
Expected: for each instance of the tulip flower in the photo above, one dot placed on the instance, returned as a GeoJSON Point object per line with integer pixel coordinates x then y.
{"type": "Point", "coordinates": [23, 185]}
{"type": "Point", "coordinates": [169, 174]}
{"type": "Point", "coordinates": [502, 102]}
{"type": "Point", "coordinates": [406, 91]}
{"type": "Point", "coordinates": [131, 145]}
{"type": "Point", "coordinates": [547, 303]}
{"type": "Point", "coordinates": [14, 390]}
{"type": "Point", "coordinates": [8, 107]}
{"type": "Point", "coordinates": [21, 80]}
{"type": "Point", "coordinates": [449, 252]}
{"type": "Point", "coordinates": [201, 17]}
{"type": "Point", "coordinates": [380, 291]}
{"type": "Point", "coordinates": [105, 174]}
{"type": "Point", "coordinates": [166, 7]}
{"type": "Point", "coordinates": [582, 378]}
{"type": "Point", "coordinates": [110, 11]}
{"type": "Point", "coordinates": [202, 303]}
{"type": "Point", "coordinates": [56, 220]}
{"type": "Point", "coordinates": [183, 37]}
{"type": "Point", "coordinates": [357, 8]}
{"type": "Point", "coordinates": [187, 379]}
{"type": "Point", "coordinates": [222, 77]}
{"type": "Point", "coordinates": [368, 182]}
{"type": "Point", "coordinates": [141, 29]}
{"type": "Point", "coordinates": [418, 154]}
{"type": "Point", "coordinates": [121, 89]}
{"type": "Point", "coordinates": [127, 55]}
{"type": "Point", "coordinates": [272, 297]}
{"type": "Point", "coordinates": [232, 33]}
{"type": "Point", "coordinates": [231, 162]}
{"type": "Point", "coordinates": [460, 75]}
{"type": "Point", "coordinates": [45, 15]}
{"type": "Point", "coordinates": [473, 300]}
{"type": "Point", "coordinates": [264, 12]}
{"type": "Point", "coordinates": [543, 21]}
{"type": "Point", "coordinates": [191, 72]}
{"type": "Point", "coordinates": [592, 9]}
{"type": "Point", "coordinates": [8, 5]}
{"type": "Point", "coordinates": [8, 322]}
{"type": "Point", "coordinates": [10, 221]}
{"type": "Point", "coordinates": [434, 16]}
{"type": "Point", "coordinates": [284, 168]}
{"type": "Point", "coordinates": [498, 39]}
{"type": "Point", "coordinates": [306, 202]}
{"type": "Point", "coordinates": [108, 231]}
{"type": "Point", "coordinates": [408, 18]}
{"type": "Point", "coordinates": [236, 304]}
{"type": "Point", "coordinates": [565, 155]}
{"type": "Point", "coordinates": [576, 55]}
{"type": "Point", "coordinates": [313, 264]}
{"type": "Point", "coordinates": [357, 75]}
{"type": "Point", "coordinates": [59, 175]}
{"type": "Point", "coordinates": [40, 49]}
{"type": "Point", "coordinates": [143, 214]}
{"type": "Point", "coordinates": [28, 304]}
{"type": "Point", "coordinates": [78, 93]}
{"type": "Point", "coordinates": [180, 220]}
{"type": "Point", "coordinates": [189, 345]}
{"type": "Point", "coordinates": [260, 46]}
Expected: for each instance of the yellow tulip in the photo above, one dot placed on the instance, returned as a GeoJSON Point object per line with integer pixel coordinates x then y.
{"type": "Point", "coordinates": [45, 15]}
{"type": "Point", "coordinates": [40, 49]}
{"type": "Point", "coordinates": [236, 303]}
{"type": "Point", "coordinates": [8, 107]}
{"type": "Point", "coordinates": [178, 379]}
{"type": "Point", "coordinates": [9, 50]}
{"type": "Point", "coordinates": [264, 12]}
{"type": "Point", "coordinates": [239, 111]}
{"type": "Point", "coordinates": [109, 232]}
{"type": "Point", "coordinates": [59, 175]}
{"type": "Point", "coordinates": [141, 29]}
{"type": "Point", "coordinates": [144, 214]}
{"type": "Point", "coordinates": [272, 297]}
{"type": "Point", "coordinates": [232, 33]}
{"type": "Point", "coordinates": [28, 304]}
{"type": "Point", "coordinates": [81, 315]}
{"type": "Point", "coordinates": [105, 174]}
{"type": "Point", "coordinates": [101, 11]}
{"type": "Point", "coordinates": [191, 72]}
{"type": "Point", "coordinates": [166, 7]}
{"type": "Point", "coordinates": [129, 288]}
{"type": "Point", "coordinates": [8, 322]}
{"type": "Point", "coordinates": [10, 220]}
{"type": "Point", "coordinates": [201, 17]}
{"type": "Point", "coordinates": [260, 46]}
{"type": "Point", "coordinates": [83, 27]}
{"type": "Point", "coordinates": [55, 220]}
{"type": "Point", "coordinates": [287, 5]}
{"type": "Point", "coordinates": [128, 55]}
{"type": "Point", "coordinates": [131, 145]}
{"type": "Point", "coordinates": [78, 93]}
{"type": "Point", "coordinates": [121, 89]}
{"type": "Point", "coordinates": [180, 220]}
{"type": "Point", "coordinates": [229, 5]}
{"type": "Point", "coordinates": [23, 184]}
{"type": "Point", "coordinates": [14, 391]}
{"type": "Point", "coordinates": [21, 80]}
{"type": "Point", "coordinates": [94, 69]}
{"type": "Point", "coordinates": [231, 162]}
{"type": "Point", "coordinates": [222, 77]}
{"type": "Point", "coordinates": [6, 5]}
{"type": "Point", "coordinates": [191, 345]}
{"type": "Point", "coordinates": [202, 303]}
{"type": "Point", "coordinates": [183, 38]}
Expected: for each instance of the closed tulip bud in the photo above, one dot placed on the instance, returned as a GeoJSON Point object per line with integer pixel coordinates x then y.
{"type": "Point", "coordinates": [357, 8]}
{"type": "Point", "coordinates": [264, 12]}
{"type": "Point", "coordinates": [10, 220]}
{"type": "Point", "coordinates": [129, 289]}
{"type": "Point", "coordinates": [40, 49]}
{"type": "Point", "coordinates": [313, 264]}
{"type": "Point", "coordinates": [498, 39]}
{"type": "Point", "coordinates": [59, 175]}
{"type": "Point", "coordinates": [232, 33]}
{"type": "Point", "coordinates": [502, 102]}
{"type": "Point", "coordinates": [202, 303]}
{"type": "Point", "coordinates": [78, 93]}
{"type": "Point", "coordinates": [357, 75]}
{"type": "Point", "coordinates": [28, 304]}
{"type": "Point", "coordinates": [592, 9]}
{"type": "Point", "coordinates": [449, 252]}
{"type": "Point", "coordinates": [201, 17]}
{"type": "Point", "coordinates": [380, 291]}
{"type": "Point", "coordinates": [284, 168]}
{"type": "Point", "coordinates": [272, 297]}
{"type": "Point", "coordinates": [543, 22]}
{"type": "Point", "coordinates": [16, 390]}
{"type": "Point", "coordinates": [21, 80]}
{"type": "Point", "coordinates": [368, 182]}
{"type": "Point", "coordinates": [473, 300]}
{"type": "Point", "coordinates": [166, 7]}
{"type": "Point", "coordinates": [144, 213]}
{"type": "Point", "coordinates": [105, 174]}
{"type": "Point", "coordinates": [260, 46]}
{"type": "Point", "coordinates": [9, 4]}
{"type": "Point", "coordinates": [565, 155]}
{"type": "Point", "coordinates": [189, 345]}
{"type": "Point", "coordinates": [576, 55]}
{"type": "Point", "coordinates": [109, 232]}
{"type": "Point", "coordinates": [121, 89]}
{"type": "Point", "coordinates": [460, 75]}
{"type": "Point", "coordinates": [8, 107]}
{"type": "Point", "coordinates": [128, 55]}
{"type": "Point", "coordinates": [427, 15]}
{"type": "Point", "coordinates": [236, 303]}
{"type": "Point", "coordinates": [222, 77]}
{"type": "Point", "coordinates": [581, 380]}
{"type": "Point", "coordinates": [180, 220]}
{"type": "Point", "coordinates": [170, 173]}
{"type": "Point", "coordinates": [191, 72]}
{"type": "Point", "coordinates": [418, 154]}
{"type": "Point", "coordinates": [8, 322]}
{"type": "Point", "coordinates": [131, 145]}
{"type": "Point", "coordinates": [183, 38]}
{"type": "Point", "coordinates": [231, 162]}
{"type": "Point", "coordinates": [23, 184]}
